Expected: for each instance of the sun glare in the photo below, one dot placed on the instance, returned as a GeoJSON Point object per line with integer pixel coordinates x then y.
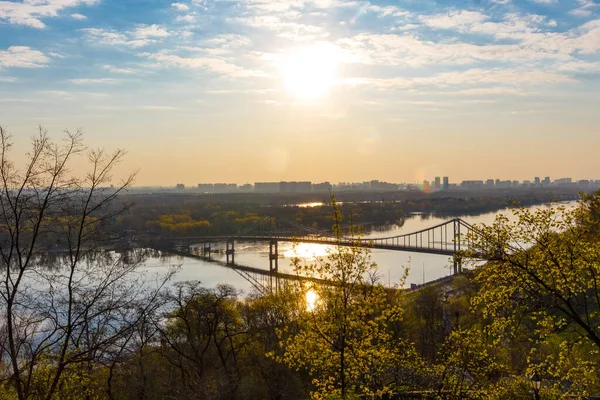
{"type": "Point", "coordinates": [311, 300]}
{"type": "Point", "coordinates": [307, 251]}
{"type": "Point", "coordinates": [309, 72]}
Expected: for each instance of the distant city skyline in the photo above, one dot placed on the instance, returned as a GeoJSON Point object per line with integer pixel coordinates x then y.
{"type": "Point", "coordinates": [340, 90]}
{"type": "Point", "coordinates": [438, 183]}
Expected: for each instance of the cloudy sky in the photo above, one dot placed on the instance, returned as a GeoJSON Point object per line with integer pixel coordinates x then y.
{"type": "Point", "coordinates": [251, 90]}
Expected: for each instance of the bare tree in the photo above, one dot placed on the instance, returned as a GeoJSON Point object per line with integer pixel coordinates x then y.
{"type": "Point", "coordinates": [62, 315]}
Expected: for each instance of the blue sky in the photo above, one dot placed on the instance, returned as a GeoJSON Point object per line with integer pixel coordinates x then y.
{"type": "Point", "coordinates": [242, 91]}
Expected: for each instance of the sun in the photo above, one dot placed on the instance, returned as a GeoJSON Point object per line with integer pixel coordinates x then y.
{"type": "Point", "coordinates": [309, 72]}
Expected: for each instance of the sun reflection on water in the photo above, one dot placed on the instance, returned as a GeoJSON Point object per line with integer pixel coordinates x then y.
{"type": "Point", "coordinates": [308, 251]}
{"type": "Point", "coordinates": [311, 300]}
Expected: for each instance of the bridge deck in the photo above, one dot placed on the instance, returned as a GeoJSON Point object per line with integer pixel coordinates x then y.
{"type": "Point", "coordinates": [373, 244]}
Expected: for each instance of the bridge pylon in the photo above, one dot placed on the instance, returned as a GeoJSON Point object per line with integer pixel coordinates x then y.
{"type": "Point", "coordinates": [273, 256]}
{"type": "Point", "coordinates": [230, 251]}
{"type": "Point", "coordinates": [206, 250]}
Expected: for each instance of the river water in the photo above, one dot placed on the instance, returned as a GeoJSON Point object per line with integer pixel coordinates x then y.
{"type": "Point", "coordinates": [421, 267]}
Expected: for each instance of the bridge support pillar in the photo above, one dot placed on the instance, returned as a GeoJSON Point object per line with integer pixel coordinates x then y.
{"type": "Point", "coordinates": [230, 251]}
{"type": "Point", "coordinates": [457, 265]}
{"type": "Point", "coordinates": [273, 256]}
{"type": "Point", "coordinates": [206, 250]}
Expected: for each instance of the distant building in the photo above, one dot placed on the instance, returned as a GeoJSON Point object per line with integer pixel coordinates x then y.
{"type": "Point", "coordinates": [537, 181]}
{"type": "Point", "coordinates": [295, 187]}
{"type": "Point", "coordinates": [180, 186]}
{"type": "Point", "coordinates": [546, 181]}
{"type": "Point", "coordinates": [246, 187]}
{"type": "Point", "coordinates": [206, 187]}
{"type": "Point", "coordinates": [583, 183]}
{"type": "Point", "coordinates": [503, 184]}
{"type": "Point", "coordinates": [489, 183]}
{"type": "Point", "coordinates": [563, 181]}
{"type": "Point", "coordinates": [446, 184]}
{"type": "Point", "coordinates": [220, 187]}
{"type": "Point", "coordinates": [266, 187]}
{"type": "Point", "coordinates": [376, 185]}
{"type": "Point", "coordinates": [438, 183]}
{"type": "Point", "coordinates": [303, 187]}
{"type": "Point", "coordinates": [471, 184]}
{"type": "Point", "coordinates": [321, 187]}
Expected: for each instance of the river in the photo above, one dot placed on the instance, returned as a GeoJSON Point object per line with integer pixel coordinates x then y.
{"type": "Point", "coordinates": [422, 267]}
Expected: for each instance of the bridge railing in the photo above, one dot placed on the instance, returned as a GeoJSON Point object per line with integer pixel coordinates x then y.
{"type": "Point", "coordinates": [451, 236]}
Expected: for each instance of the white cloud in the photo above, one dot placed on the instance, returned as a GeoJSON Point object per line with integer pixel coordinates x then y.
{"type": "Point", "coordinates": [157, 108]}
{"type": "Point", "coordinates": [388, 11]}
{"type": "Point", "coordinates": [212, 64]}
{"type": "Point", "coordinates": [585, 10]}
{"type": "Point", "coordinates": [7, 79]}
{"type": "Point", "coordinates": [188, 18]}
{"type": "Point", "coordinates": [288, 30]}
{"type": "Point", "coordinates": [79, 17]}
{"type": "Point", "coordinates": [409, 50]}
{"type": "Point", "coordinates": [59, 93]}
{"type": "Point", "coordinates": [229, 40]}
{"type": "Point", "coordinates": [544, 1]}
{"type": "Point", "coordinates": [180, 6]}
{"type": "Point", "coordinates": [143, 35]}
{"type": "Point", "coordinates": [580, 12]}
{"type": "Point", "coordinates": [490, 91]}
{"type": "Point", "coordinates": [23, 57]}
{"type": "Point", "coordinates": [453, 20]}
{"type": "Point", "coordinates": [146, 31]}
{"type": "Point", "coordinates": [470, 77]}
{"type": "Point", "coordinates": [30, 12]}
{"type": "Point", "coordinates": [580, 66]}
{"type": "Point", "coordinates": [93, 81]}
{"type": "Point", "coordinates": [116, 70]}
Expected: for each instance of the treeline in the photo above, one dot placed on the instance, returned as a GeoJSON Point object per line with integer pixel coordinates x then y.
{"type": "Point", "coordinates": [176, 214]}
{"type": "Point", "coordinates": [197, 215]}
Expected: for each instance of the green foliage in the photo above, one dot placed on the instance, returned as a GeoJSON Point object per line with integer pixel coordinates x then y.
{"type": "Point", "coordinates": [541, 283]}
{"type": "Point", "coordinates": [343, 338]}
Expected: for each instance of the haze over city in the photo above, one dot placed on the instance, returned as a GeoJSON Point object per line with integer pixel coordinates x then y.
{"type": "Point", "coordinates": [244, 91]}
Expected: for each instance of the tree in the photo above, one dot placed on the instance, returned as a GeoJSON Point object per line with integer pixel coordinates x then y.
{"type": "Point", "coordinates": [343, 337]}
{"type": "Point", "coordinates": [543, 275]}
{"type": "Point", "coordinates": [66, 302]}
{"type": "Point", "coordinates": [203, 338]}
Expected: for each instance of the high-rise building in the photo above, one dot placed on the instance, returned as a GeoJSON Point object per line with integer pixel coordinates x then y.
{"type": "Point", "coordinates": [438, 182]}
{"type": "Point", "coordinates": [445, 184]}
{"type": "Point", "coordinates": [266, 187]}
{"type": "Point", "coordinates": [537, 181]}
{"type": "Point", "coordinates": [206, 187]}
{"type": "Point", "coordinates": [546, 181]}
{"type": "Point", "coordinates": [321, 187]}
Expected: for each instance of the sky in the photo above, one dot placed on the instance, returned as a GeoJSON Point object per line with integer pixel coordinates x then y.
{"type": "Point", "coordinates": [204, 91]}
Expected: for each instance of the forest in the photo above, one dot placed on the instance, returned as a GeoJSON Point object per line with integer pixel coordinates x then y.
{"type": "Point", "coordinates": [175, 214]}
{"type": "Point", "coordinates": [91, 323]}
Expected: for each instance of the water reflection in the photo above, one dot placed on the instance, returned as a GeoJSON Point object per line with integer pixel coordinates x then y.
{"type": "Point", "coordinates": [307, 251]}
{"type": "Point", "coordinates": [312, 204]}
{"type": "Point", "coordinates": [311, 299]}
